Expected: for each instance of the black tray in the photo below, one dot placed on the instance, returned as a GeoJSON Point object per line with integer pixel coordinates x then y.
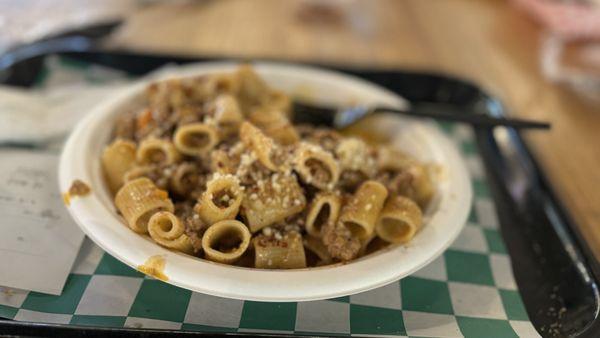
{"type": "Point", "coordinates": [555, 271]}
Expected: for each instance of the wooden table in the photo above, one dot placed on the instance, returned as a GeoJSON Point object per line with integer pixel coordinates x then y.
{"type": "Point", "coordinates": [485, 41]}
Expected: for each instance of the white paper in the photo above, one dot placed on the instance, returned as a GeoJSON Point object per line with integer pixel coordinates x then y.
{"type": "Point", "coordinates": [43, 115]}
{"type": "Point", "coordinates": [36, 116]}
{"type": "Point", "coordinates": [25, 21]}
{"type": "Point", "coordinates": [38, 239]}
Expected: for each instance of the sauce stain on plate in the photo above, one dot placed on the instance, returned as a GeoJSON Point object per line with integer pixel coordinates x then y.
{"type": "Point", "coordinates": [66, 198]}
{"type": "Point", "coordinates": [78, 188]}
{"type": "Point", "coordinates": [155, 267]}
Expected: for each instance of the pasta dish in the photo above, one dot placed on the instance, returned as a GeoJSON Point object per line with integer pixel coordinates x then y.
{"type": "Point", "coordinates": [211, 166]}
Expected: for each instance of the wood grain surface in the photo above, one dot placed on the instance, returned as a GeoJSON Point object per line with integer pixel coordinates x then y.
{"type": "Point", "coordinates": [485, 41]}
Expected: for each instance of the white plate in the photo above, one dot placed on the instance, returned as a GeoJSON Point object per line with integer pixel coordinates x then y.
{"type": "Point", "coordinates": [97, 217]}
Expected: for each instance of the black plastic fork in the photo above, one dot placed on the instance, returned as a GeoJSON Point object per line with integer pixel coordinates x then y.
{"type": "Point", "coordinates": [342, 117]}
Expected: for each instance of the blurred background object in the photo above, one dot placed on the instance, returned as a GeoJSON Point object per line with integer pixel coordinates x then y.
{"type": "Point", "coordinates": [569, 19]}
{"type": "Point", "coordinates": [570, 53]}
{"type": "Point", "coordinates": [25, 21]}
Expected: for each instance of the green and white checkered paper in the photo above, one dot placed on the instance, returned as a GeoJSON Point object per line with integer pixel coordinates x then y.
{"type": "Point", "coordinates": [468, 291]}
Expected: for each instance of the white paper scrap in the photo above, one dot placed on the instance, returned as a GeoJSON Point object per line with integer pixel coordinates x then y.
{"type": "Point", "coordinates": [38, 239]}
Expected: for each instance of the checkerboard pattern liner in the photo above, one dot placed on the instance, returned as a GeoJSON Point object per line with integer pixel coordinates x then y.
{"type": "Point", "coordinates": [469, 291]}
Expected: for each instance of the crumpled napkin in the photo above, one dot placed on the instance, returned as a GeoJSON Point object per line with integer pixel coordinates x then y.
{"type": "Point", "coordinates": [36, 116]}
{"type": "Point", "coordinates": [44, 115]}
{"type": "Point", "coordinates": [26, 21]}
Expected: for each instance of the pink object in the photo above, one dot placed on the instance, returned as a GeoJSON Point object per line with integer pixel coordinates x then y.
{"type": "Point", "coordinates": [575, 20]}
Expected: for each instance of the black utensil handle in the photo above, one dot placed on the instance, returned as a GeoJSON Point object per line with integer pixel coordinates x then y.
{"type": "Point", "coordinates": [476, 120]}
{"type": "Point", "coordinates": [79, 40]}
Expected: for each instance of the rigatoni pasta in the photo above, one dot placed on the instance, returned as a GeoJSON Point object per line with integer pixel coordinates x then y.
{"type": "Point", "coordinates": [324, 209]}
{"type": "Point", "coordinates": [186, 178]}
{"type": "Point", "coordinates": [399, 220]}
{"type": "Point", "coordinates": [315, 246]}
{"type": "Point", "coordinates": [275, 125]}
{"type": "Point", "coordinates": [140, 199]}
{"type": "Point", "coordinates": [286, 252]}
{"type": "Point", "coordinates": [221, 200]}
{"type": "Point", "coordinates": [353, 155]}
{"type": "Point", "coordinates": [168, 230]}
{"type": "Point", "coordinates": [271, 201]}
{"type": "Point", "coordinates": [213, 167]}
{"type": "Point", "coordinates": [156, 151]}
{"type": "Point", "coordinates": [261, 145]}
{"type": "Point", "coordinates": [195, 139]}
{"type": "Point", "coordinates": [228, 115]}
{"type": "Point", "coordinates": [226, 241]}
{"type": "Point", "coordinates": [361, 212]}
{"type": "Point", "coordinates": [316, 167]}
{"type": "Point", "coordinates": [117, 159]}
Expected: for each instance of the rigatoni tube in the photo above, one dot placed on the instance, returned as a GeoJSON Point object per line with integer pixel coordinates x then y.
{"type": "Point", "coordinates": [226, 241]}
{"type": "Point", "coordinates": [316, 166]}
{"type": "Point", "coordinates": [422, 183]}
{"type": "Point", "coordinates": [167, 230]}
{"type": "Point", "coordinates": [263, 146]}
{"type": "Point", "coordinates": [275, 125]}
{"type": "Point", "coordinates": [399, 220]}
{"type": "Point", "coordinates": [284, 253]}
{"type": "Point", "coordinates": [354, 155]}
{"type": "Point", "coordinates": [324, 209]}
{"type": "Point", "coordinates": [157, 151]}
{"type": "Point", "coordinates": [272, 201]}
{"type": "Point", "coordinates": [196, 139]}
{"type": "Point", "coordinates": [186, 178]}
{"type": "Point", "coordinates": [361, 213]}
{"type": "Point", "coordinates": [315, 245]}
{"type": "Point", "coordinates": [118, 158]}
{"type": "Point", "coordinates": [138, 200]}
{"type": "Point", "coordinates": [228, 114]}
{"type": "Point", "coordinates": [221, 200]}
